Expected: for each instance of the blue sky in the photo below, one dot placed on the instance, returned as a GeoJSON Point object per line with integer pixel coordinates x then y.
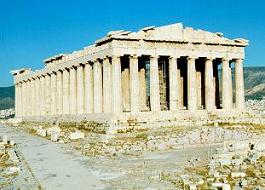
{"type": "Point", "coordinates": [32, 30]}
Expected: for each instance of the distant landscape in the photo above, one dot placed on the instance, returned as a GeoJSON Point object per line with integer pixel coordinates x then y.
{"type": "Point", "coordinates": [254, 87]}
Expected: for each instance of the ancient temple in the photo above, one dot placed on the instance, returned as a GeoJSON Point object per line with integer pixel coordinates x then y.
{"type": "Point", "coordinates": [155, 73]}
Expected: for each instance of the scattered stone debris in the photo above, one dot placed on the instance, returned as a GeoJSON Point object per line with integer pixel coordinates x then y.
{"type": "Point", "coordinates": [76, 135]}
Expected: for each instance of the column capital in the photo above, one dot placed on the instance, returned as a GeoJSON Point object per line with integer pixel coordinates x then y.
{"type": "Point", "coordinates": [191, 58]}
{"type": "Point", "coordinates": [133, 56]}
{"type": "Point", "coordinates": [209, 58]}
{"type": "Point", "coordinates": [154, 56]}
{"type": "Point", "coordinates": [225, 59]}
{"type": "Point", "coordinates": [174, 57]}
{"type": "Point", "coordinates": [239, 60]}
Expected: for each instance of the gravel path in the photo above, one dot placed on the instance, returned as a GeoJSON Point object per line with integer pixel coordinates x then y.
{"type": "Point", "coordinates": [54, 166]}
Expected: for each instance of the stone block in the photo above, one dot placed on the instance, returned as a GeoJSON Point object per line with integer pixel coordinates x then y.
{"type": "Point", "coordinates": [42, 132]}
{"type": "Point", "coordinates": [4, 139]}
{"type": "Point", "coordinates": [54, 137]}
{"type": "Point", "coordinates": [54, 129]}
{"type": "Point", "coordinates": [238, 174]}
{"type": "Point", "coordinates": [76, 135]}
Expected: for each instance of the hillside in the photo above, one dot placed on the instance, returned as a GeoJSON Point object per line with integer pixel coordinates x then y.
{"type": "Point", "coordinates": [254, 87]}
{"type": "Point", "coordinates": [254, 82]}
{"type": "Point", "coordinates": [7, 96]}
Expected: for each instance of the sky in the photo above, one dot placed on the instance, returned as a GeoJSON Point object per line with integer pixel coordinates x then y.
{"type": "Point", "coordinates": [32, 30]}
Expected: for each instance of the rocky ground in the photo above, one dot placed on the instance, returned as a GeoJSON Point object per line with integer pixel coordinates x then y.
{"type": "Point", "coordinates": [159, 158]}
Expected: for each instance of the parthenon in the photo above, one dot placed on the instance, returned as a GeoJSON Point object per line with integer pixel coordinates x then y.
{"type": "Point", "coordinates": [156, 72]}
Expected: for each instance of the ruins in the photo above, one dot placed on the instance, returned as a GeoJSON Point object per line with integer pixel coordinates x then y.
{"type": "Point", "coordinates": [157, 73]}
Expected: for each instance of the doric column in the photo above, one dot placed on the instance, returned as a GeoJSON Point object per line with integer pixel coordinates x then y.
{"type": "Point", "coordinates": [80, 90]}
{"type": "Point", "coordinates": [16, 100]}
{"type": "Point", "coordinates": [107, 108]}
{"type": "Point", "coordinates": [73, 105]}
{"type": "Point", "coordinates": [23, 98]}
{"type": "Point", "coordinates": [42, 95]}
{"type": "Point", "coordinates": [33, 97]}
{"type": "Point", "coordinates": [97, 71]}
{"type": "Point", "coordinates": [239, 83]}
{"type": "Point", "coordinates": [47, 94]}
{"type": "Point", "coordinates": [209, 85]}
{"type": "Point", "coordinates": [66, 91]}
{"type": "Point", "coordinates": [226, 85]}
{"type": "Point", "coordinates": [20, 103]}
{"type": "Point", "coordinates": [53, 93]}
{"type": "Point", "coordinates": [134, 84]}
{"type": "Point", "coordinates": [89, 88]}
{"type": "Point", "coordinates": [191, 79]}
{"type": "Point", "coordinates": [154, 85]}
{"type": "Point", "coordinates": [59, 93]}
{"type": "Point", "coordinates": [116, 85]}
{"type": "Point", "coordinates": [37, 96]}
{"type": "Point", "coordinates": [28, 102]}
{"type": "Point", "coordinates": [173, 84]}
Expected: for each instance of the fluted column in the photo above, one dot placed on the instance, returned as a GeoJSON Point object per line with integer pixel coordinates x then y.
{"type": "Point", "coordinates": [28, 92]}
{"type": "Point", "coordinates": [134, 84]}
{"type": "Point", "coordinates": [107, 104]}
{"type": "Point", "coordinates": [116, 85]}
{"type": "Point", "coordinates": [33, 97]}
{"type": "Point", "coordinates": [239, 83]}
{"type": "Point", "coordinates": [42, 95]}
{"type": "Point", "coordinates": [89, 88]}
{"type": "Point", "coordinates": [66, 92]}
{"type": "Point", "coordinates": [73, 93]}
{"type": "Point", "coordinates": [16, 100]}
{"type": "Point", "coordinates": [80, 90]}
{"type": "Point", "coordinates": [53, 93]}
{"type": "Point", "coordinates": [20, 103]}
{"type": "Point", "coordinates": [154, 85]}
{"type": "Point", "coordinates": [226, 85]}
{"type": "Point", "coordinates": [59, 93]}
{"type": "Point", "coordinates": [209, 85]}
{"type": "Point", "coordinates": [48, 94]}
{"type": "Point", "coordinates": [173, 84]}
{"type": "Point", "coordinates": [37, 96]}
{"type": "Point", "coordinates": [23, 97]}
{"type": "Point", "coordinates": [191, 79]}
{"type": "Point", "coordinates": [97, 73]}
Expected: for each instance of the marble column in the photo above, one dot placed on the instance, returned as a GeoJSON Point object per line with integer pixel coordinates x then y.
{"type": "Point", "coordinates": [59, 93]}
{"type": "Point", "coordinates": [37, 98]}
{"type": "Point", "coordinates": [42, 95]}
{"type": "Point", "coordinates": [28, 91]}
{"type": "Point", "coordinates": [33, 97]}
{"type": "Point", "coordinates": [97, 73]}
{"type": "Point", "coordinates": [73, 92]}
{"type": "Point", "coordinates": [239, 84]}
{"type": "Point", "coordinates": [173, 85]}
{"type": "Point", "coordinates": [89, 88]}
{"type": "Point", "coordinates": [134, 84]}
{"type": "Point", "coordinates": [16, 100]}
{"type": "Point", "coordinates": [66, 91]}
{"type": "Point", "coordinates": [53, 93]}
{"type": "Point", "coordinates": [20, 103]}
{"type": "Point", "coordinates": [142, 84]}
{"type": "Point", "coordinates": [154, 85]}
{"type": "Point", "coordinates": [226, 85]}
{"type": "Point", "coordinates": [209, 85]}
{"type": "Point", "coordinates": [116, 88]}
{"type": "Point", "coordinates": [23, 98]}
{"type": "Point", "coordinates": [47, 94]}
{"type": "Point", "coordinates": [191, 80]}
{"type": "Point", "coordinates": [80, 90]}
{"type": "Point", "coordinates": [107, 104]}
